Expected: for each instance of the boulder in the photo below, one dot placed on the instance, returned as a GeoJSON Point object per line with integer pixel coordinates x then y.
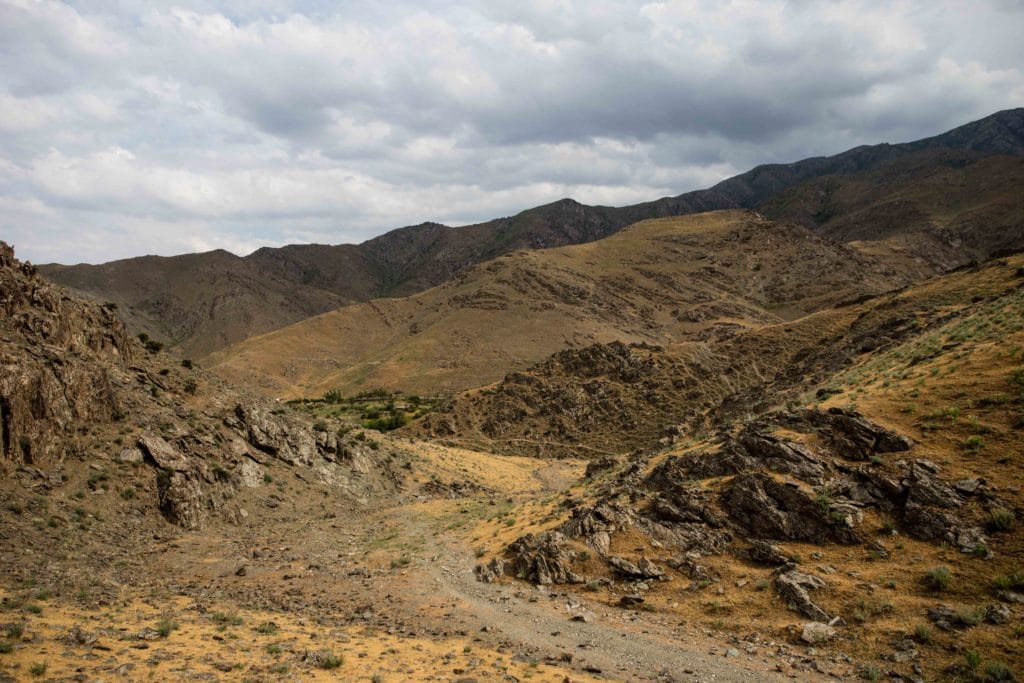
{"type": "Point", "coordinates": [815, 633]}
{"type": "Point", "coordinates": [162, 454]}
{"type": "Point", "coordinates": [793, 587]}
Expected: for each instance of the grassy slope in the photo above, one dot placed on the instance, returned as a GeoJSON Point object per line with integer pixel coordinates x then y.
{"type": "Point", "coordinates": [659, 281]}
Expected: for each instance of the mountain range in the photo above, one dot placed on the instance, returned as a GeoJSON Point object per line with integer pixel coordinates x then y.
{"type": "Point", "coordinates": [933, 195]}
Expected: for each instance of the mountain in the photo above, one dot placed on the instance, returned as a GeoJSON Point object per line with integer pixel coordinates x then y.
{"type": "Point", "coordinates": [658, 281]}
{"type": "Point", "coordinates": [203, 302]}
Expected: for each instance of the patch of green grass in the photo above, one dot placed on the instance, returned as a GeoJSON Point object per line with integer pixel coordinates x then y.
{"type": "Point", "coordinates": [1001, 519]}
{"type": "Point", "coordinates": [166, 626]}
{"type": "Point", "coordinates": [938, 579]}
{"type": "Point", "coordinates": [37, 669]}
{"type": "Point", "coordinates": [267, 628]}
{"type": "Point", "coordinates": [329, 660]}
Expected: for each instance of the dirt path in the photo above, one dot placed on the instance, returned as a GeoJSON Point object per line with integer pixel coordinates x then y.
{"type": "Point", "coordinates": [536, 623]}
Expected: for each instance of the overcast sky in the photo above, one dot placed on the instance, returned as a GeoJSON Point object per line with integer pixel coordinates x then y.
{"type": "Point", "coordinates": [129, 128]}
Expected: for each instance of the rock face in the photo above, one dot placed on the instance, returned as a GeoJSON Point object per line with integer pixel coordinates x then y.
{"type": "Point", "coordinates": [53, 364]}
{"type": "Point", "coordinates": [72, 383]}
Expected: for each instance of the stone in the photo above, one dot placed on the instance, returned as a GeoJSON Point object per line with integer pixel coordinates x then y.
{"type": "Point", "coordinates": [129, 456]}
{"type": "Point", "coordinates": [793, 587]}
{"type": "Point", "coordinates": [164, 455]}
{"type": "Point", "coordinates": [998, 614]}
{"type": "Point", "coordinates": [815, 633]}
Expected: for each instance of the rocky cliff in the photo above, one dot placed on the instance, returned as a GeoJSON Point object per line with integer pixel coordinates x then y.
{"type": "Point", "coordinates": [78, 394]}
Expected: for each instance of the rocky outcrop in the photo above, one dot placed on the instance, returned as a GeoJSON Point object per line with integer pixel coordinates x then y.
{"type": "Point", "coordinates": [543, 559]}
{"type": "Point", "coordinates": [54, 364]}
{"type": "Point", "coordinates": [765, 508]}
{"type": "Point", "coordinates": [811, 487]}
{"type": "Point", "coordinates": [73, 386]}
{"type": "Point", "coordinates": [794, 588]}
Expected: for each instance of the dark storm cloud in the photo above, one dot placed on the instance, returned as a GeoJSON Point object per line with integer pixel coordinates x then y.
{"type": "Point", "coordinates": [130, 128]}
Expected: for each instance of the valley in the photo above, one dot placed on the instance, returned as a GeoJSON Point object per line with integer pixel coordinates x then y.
{"type": "Point", "coordinates": [766, 431]}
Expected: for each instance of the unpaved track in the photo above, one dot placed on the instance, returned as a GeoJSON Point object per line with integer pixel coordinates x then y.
{"type": "Point", "coordinates": [536, 622]}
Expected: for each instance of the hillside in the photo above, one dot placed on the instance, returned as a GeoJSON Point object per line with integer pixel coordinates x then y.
{"type": "Point", "coordinates": [854, 472]}
{"type": "Point", "coordinates": [608, 398]}
{"type": "Point", "coordinates": [659, 281]}
{"type": "Point", "coordinates": [158, 523]}
{"type": "Point", "coordinates": [204, 302]}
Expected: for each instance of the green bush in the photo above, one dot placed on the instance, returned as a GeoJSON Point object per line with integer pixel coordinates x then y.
{"type": "Point", "coordinates": [938, 579]}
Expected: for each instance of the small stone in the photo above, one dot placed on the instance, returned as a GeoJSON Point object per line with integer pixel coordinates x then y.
{"type": "Point", "coordinates": [815, 632]}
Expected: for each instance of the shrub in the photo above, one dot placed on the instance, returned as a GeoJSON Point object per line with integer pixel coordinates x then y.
{"type": "Point", "coordinates": [1002, 519]}
{"type": "Point", "coordinates": [267, 628]}
{"type": "Point", "coordinates": [996, 672]}
{"type": "Point", "coordinates": [187, 363]}
{"type": "Point", "coordinates": [938, 579]}
{"type": "Point", "coordinates": [165, 626]}
{"type": "Point", "coordinates": [973, 659]}
{"type": "Point", "coordinates": [5, 647]}
{"type": "Point", "coordinates": [37, 669]}
{"type": "Point", "coordinates": [973, 443]}
{"type": "Point", "coordinates": [328, 660]}
{"type": "Point", "coordinates": [923, 634]}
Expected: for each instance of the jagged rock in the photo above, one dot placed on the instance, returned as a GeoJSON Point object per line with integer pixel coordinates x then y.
{"type": "Point", "coordinates": [753, 451]}
{"type": "Point", "coordinates": [816, 632]}
{"type": "Point", "coordinates": [631, 600]}
{"type": "Point", "coordinates": [766, 508]}
{"type": "Point", "coordinates": [853, 436]}
{"type": "Point", "coordinates": [650, 570]}
{"type": "Point", "coordinates": [764, 552]}
{"type": "Point", "coordinates": [998, 614]}
{"type": "Point", "coordinates": [181, 498]}
{"type": "Point", "coordinates": [163, 454]}
{"type": "Point", "coordinates": [642, 569]}
{"type": "Point", "coordinates": [793, 586]}
{"type": "Point", "coordinates": [55, 362]}
{"type": "Point", "coordinates": [587, 521]}
{"type": "Point", "coordinates": [543, 559]}
{"type": "Point", "coordinates": [924, 488]}
{"type": "Point", "coordinates": [601, 542]}
{"type": "Point", "coordinates": [490, 572]}
{"type": "Point", "coordinates": [968, 487]}
{"type": "Point", "coordinates": [947, 618]}
{"type": "Point", "coordinates": [932, 525]}
{"type": "Point", "coordinates": [289, 440]}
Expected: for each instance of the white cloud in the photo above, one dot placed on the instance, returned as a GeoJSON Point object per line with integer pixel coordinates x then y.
{"type": "Point", "coordinates": [129, 128]}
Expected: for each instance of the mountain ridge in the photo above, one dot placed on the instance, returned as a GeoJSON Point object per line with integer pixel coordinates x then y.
{"type": "Point", "coordinates": [274, 287]}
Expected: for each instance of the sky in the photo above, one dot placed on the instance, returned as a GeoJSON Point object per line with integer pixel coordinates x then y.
{"type": "Point", "coordinates": [131, 128]}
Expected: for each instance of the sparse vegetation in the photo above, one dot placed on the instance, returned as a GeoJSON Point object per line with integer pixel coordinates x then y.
{"type": "Point", "coordinates": [938, 579]}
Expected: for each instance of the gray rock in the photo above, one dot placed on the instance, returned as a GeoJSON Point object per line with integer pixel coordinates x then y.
{"type": "Point", "coordinates": [815, 633]}
{"type": "Point", "coordinates": [793, 586]}
{"type": "Point", "coordinates": [130, 456]}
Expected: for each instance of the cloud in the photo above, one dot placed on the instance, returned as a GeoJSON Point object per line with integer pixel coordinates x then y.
{"type": "Point", "coordinates": [130, 128]}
